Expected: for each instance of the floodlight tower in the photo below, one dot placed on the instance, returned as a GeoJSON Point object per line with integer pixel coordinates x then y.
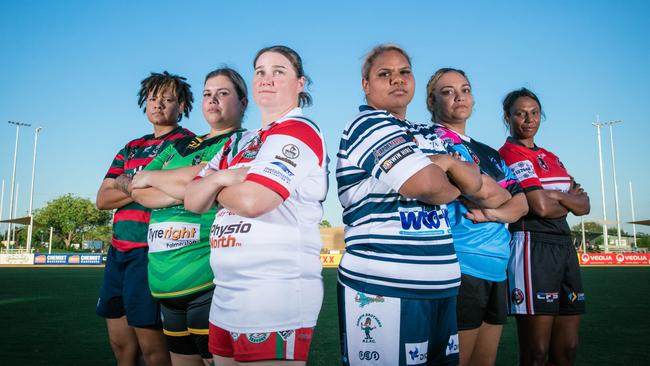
{"type": "Point", "coordinates": [13, 174]}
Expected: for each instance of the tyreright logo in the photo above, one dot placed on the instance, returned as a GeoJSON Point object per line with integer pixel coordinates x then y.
{"type": "Point", "coordinates": [416, 353]}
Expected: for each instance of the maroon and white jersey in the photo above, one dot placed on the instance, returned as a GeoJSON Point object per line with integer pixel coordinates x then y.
{"type": "Point", "coordinates": [537, 168]}
{"type": "Point", "coordinates": [267, 269]}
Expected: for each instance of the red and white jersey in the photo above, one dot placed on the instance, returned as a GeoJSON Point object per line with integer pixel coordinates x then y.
{"type": "Point", "coordinates": [537, 168]}
{"type": "Point", "coordinates": [267, 269]}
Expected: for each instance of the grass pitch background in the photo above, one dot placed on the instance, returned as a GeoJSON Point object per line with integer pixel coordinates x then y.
{"type": "Point", "coordinates": [48, 317]}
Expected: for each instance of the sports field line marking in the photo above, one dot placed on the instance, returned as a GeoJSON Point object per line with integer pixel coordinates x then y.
{"type": "Point", "coordinates": [23, 299]}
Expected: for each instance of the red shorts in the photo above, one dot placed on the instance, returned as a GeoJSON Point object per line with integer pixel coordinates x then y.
{"type": "Point", "coordinates": [247, 347]}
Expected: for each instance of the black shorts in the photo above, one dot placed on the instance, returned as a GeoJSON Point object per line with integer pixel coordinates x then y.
{"type": "Point", "coordinates": [544, 275]}
{"type": "Point", "coordinates": [125, 289]}
{"type": "Point", "coordinates": [186, 324]}
{"type": "Point", "coordinates": [480, 301]}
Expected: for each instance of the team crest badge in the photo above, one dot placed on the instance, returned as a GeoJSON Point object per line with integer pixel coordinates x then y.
{"type": "Point", "coordinates": [253, 147]}
{"type": "Point", "coordinates": [368, 323]}
{"type": "Point", "coordinates": [541, 162]}
{"type": "Point", "coordinates": [517, 296]}
{"type": "Point", "coordinates": [196, 160]}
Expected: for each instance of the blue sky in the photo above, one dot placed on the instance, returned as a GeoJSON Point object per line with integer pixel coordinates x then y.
{"type": "Point", "coordinates": [74, 67]}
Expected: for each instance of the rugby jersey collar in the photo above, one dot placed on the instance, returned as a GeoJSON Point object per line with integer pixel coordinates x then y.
{"type": "Point", "coordinates": [513, 141]}
{"type": "Point", "coordinates": [462, 137]}
{"type": "Point", "coordinates": [152, 136]}
{"type": "Point", "coordinates": [365, 107]}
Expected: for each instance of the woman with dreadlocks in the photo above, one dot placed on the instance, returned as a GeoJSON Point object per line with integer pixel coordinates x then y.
{"type": "Point", "coordinates": [132, 315]}
{"type": "Point", "coordinates": [180, 276]}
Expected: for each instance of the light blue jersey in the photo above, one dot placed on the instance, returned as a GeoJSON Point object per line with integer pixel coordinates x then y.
{"type": "Point", "coordinates": [482, 248]}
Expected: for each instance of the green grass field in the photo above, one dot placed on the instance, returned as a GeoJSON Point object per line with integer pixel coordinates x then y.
{"type": "Point", "coordinates": [48, 318]}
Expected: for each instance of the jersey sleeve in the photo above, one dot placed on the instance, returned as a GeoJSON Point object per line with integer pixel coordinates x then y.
{"type": "Point", "coordinates": [159, 161]}
{"type": "Point", "coordinates": [509, 182]}
{"type": "Point", "coordinates": [384, 150]}
{"type": "Point", "coordinates": [522, 168]}
{"type": "Point", "coordinates": [117, 165]}
{"type": "Point", "coordinates": [290, 152]}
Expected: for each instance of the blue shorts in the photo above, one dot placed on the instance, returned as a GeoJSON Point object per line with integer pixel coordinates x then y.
{"type": "Point", "coordinates": [125, 290]}
{"type": "Point", "coordinates": [390, 331]}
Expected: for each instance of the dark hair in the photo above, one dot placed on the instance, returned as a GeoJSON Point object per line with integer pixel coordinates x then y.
{"type": "Point", "coordinates": [432, 83]}
{"type": "Point", "coordinates": [235, 78]}
{"type": "Point", "coordinates": [237, 81]}
{"type": "Point", "coordinates": [157, 82]}
{"type": "Point", "coordinates": [512, 97]}
{"type": "Point", "coordinates": [304, 98]}
{"type": "Point", "coordinates": [376, 52]}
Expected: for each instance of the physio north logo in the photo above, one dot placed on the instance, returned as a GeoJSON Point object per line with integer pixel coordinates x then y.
{"type": "Point", "coordinates": [416, 353]}
{"type": "Point", "coordinates": [418, 221]}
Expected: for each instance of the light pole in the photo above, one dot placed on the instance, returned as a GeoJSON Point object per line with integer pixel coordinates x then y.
{"type": "Point", "coordinates": [598, 125]}
{"type": "Point", "coordinates": [31, 195]}
{"type": "Point", "coordinates": [618, 215]}
{"type": "Point", "coordinates": [633, 216]}
{"type": "Point", "coordinates": [2, 202]}
{"type": "Point", "coordinates": [13, 235]}
{"type": "Point", "coordinates": [13, 174]}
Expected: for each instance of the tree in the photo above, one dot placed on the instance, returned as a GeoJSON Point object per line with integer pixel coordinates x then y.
{"type": "Point", "coordinates": [325, 223]}
{"type": "Point", "coordinates": [71, 216]}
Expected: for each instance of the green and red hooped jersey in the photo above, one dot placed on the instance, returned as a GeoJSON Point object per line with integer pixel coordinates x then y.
{"type": "Point", "coordinates": [131, 221]}
{"type": "Point", "coordinates": [179, 240]}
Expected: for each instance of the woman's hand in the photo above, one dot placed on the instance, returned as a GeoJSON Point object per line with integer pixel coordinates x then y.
{"type": "Point", "coordinates": [141, 179]}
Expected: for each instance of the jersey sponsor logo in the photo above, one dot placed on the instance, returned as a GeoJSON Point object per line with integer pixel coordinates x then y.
{"type": "Point", "coordinates": [221, 235]}
{"type": "Point", "coordinates": [291, 151]}
{"type": "Point", "coordinates": [284, 168]}
{"type": "Point", "coordinates": [398, 156]}
{"type": "Point", "coordinates": [576, 296]}
{"type": "Point", "coordinates": [369, 356]}
{"type": "Point", "coordinates": [364, 299]}
{"type": "Point", "coordinates": [416, 353]}
{"type": "Point", "coordinates": [523, 170]}
{"type": "Point", "coordinates": [368, 322]}
{"type": "Point", "coordinates": [288, 161]}
{"type": "Point", "coordinates": [549, 297]}
{"type": "Point", "coordinates": [257, 337]}
{"type": "Point", "coordinates": [172, 235]}
{"type": "Point", "coordinates": [452, 345]}
{"type": "Point", "coordinates": [195, 144]}
{"type": "Point", "coordinates": [517, 296]}
{"type": "Point", "coordinates": [540, 161]}
{"type": "Point", "coordinates": [418, 221]}
{"type": "Point", "coordinates": [388, 146]}
{"type": "Point", "coordinates": [285, 334]}
{"type": "Point", "coordinates": [276, 173]}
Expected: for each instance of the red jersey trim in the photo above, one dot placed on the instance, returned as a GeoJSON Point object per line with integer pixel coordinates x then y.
{"type": "Point", "coordinates": [269, 183]}
{"type": "Point", "coordinates": [132, 215]}
{"type": "Point", "coordinates": [125, 245]}
{"type": "Point", "coordinates": [303, 132]}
